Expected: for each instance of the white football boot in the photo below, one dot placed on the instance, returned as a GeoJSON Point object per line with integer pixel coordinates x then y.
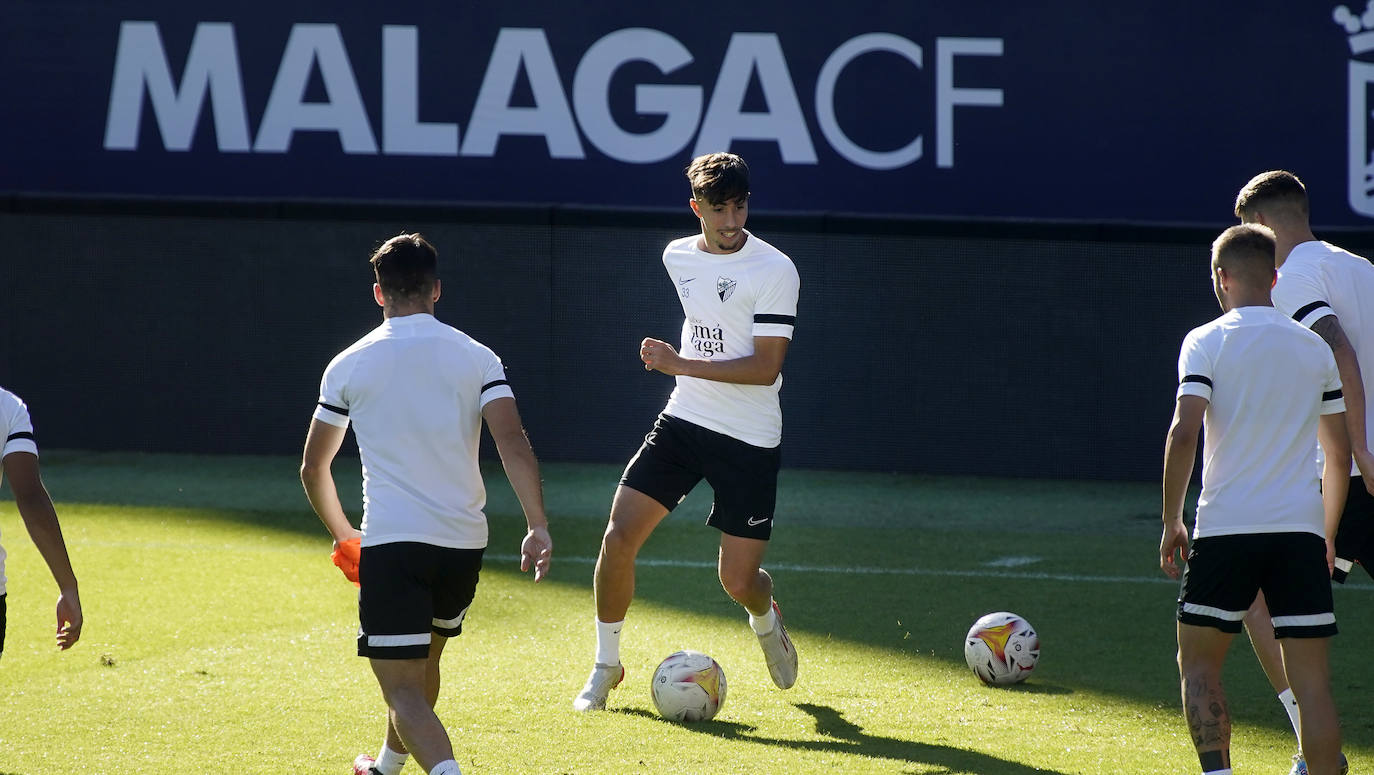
{"type": "Point", "coordinates": [603, 679]}
{"type": "Point", "coordinates": [779, 653]}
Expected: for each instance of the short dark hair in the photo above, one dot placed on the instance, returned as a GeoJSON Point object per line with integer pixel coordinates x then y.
{"type": "Point", "coordinates": [406, 266]}
{"type": "Point", "coordinates": [1246, 252]}
{"type": "Point", "coordinates": [717, 178]}
{"type": "Point", "coordinates": [1268, 189]}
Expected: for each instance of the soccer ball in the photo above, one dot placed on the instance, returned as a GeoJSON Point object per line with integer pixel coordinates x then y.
{"type": "Point", "coordinates": [688, 686]}
{"type": "Point", "coordinates": [1002, 648]}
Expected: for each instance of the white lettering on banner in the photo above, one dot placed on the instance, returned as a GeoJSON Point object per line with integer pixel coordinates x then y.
{"type": "Point", "coordinates": [287, 111]}
{"type": "Point", "coordinates": [825, 100]}
{"type": "Point", "coordinates": [751, 52]}
{"type": "Point", "coordinates": [680, 104]}
{"type": "Point", "coordinates": [493, 116]}
{"type": "Point", "coordinates": [212, 69]}
{"type": "Point", "coordinates": [402, 130]}
{"type": "Point", "coordinates": [946, 96]}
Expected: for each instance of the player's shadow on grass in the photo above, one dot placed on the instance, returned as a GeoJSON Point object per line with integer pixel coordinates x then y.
{"type": "Point", "coordinates": [843, 736]}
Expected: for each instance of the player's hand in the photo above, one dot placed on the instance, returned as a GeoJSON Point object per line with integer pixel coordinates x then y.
{"type": "Point", "coordinates": [1364, 461]}
{"type": "Point", "coordinates": [1173, 540]}
{"type": "Point", "coordinates": [658, 355]}
{"type": "Point", "coordinates": [1330, 555]}
{"type": "Point", "coordinates": [68, 619]}
{"type": "Point", "coordinates": [536, 551]}
{"type": "Point", "coordinates": [346, 555]}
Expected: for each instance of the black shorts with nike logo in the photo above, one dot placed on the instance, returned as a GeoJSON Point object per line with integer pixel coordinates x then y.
{"type": "Point", "coordinates": [677, 454]}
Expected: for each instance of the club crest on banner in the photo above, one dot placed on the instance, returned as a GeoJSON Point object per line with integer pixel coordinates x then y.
{"type": "Point", "coordinates": [1360, 157]}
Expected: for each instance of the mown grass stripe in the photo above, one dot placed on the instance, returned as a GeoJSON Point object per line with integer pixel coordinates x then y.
{"type": "Point", "coordinates": [876, 571]}
{"type": "Point", "coordinates": [653, 562]}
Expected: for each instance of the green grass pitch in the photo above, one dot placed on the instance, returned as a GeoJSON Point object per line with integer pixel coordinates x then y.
{"type": "Point", "coordinates": [219, 638]}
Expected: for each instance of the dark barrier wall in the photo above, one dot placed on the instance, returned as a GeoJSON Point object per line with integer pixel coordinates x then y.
{"type": "Point", "coordinates": [141, 315]}
{"type": "Point", "coordinates": [978, 348]}
{"type": "Point", "coordinates": [1148, 111]}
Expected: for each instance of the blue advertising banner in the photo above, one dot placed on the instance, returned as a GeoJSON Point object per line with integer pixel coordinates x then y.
{"type": "Point", "coordinates": [1078, 111]}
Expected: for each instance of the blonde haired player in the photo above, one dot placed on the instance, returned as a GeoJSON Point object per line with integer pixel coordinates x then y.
{"type": "Point", "coordinates": [1266, 389]}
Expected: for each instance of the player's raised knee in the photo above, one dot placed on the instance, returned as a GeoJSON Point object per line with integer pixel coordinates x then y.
{"type": "Point", "coordinates": [739, 585]}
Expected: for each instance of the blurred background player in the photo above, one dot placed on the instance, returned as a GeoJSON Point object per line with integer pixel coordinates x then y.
{"type": "Point", "coordinates": [1330, 291]}
{"type": "Point", "coordinates": [417, 392]}
{"type": "Point", "coordinates": [1261, 518]}
{"type": "Point", "coordinates": [20, 458]}
{"type": "Point", "coordinates": [722, 422]}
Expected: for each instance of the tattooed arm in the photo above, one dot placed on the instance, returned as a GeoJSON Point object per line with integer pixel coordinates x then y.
{"type": "Point", "coordinates": [1352, 387]}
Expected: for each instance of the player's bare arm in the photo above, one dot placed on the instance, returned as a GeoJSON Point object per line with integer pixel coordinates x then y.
{"type": "Point", "coordinates": [1335, 441]}
{"type": "Point", "coordinates": [760, 368]}
{"type": "Point", "coordinates": [522, 469]}
{"type": "Point", "coordinates": [40, 519]}
{"type": "Point", "coordinates": [1352, 386]}
{"type": "Point", "coordinates": [322, 443]}
{"type": "Point", "coordinates": [1180, 450]}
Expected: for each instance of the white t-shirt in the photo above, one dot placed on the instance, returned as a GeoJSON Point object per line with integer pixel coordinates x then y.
{"type": "Point", "coordinates": [727, 300]}
{"type": "Point", "coordinates": [414, 389]}
{"type": "Point", "coordinates": [1320, 279]}
{"type": "Point", "coordinates": [1267, 380]}
{"type": "Point", "coordinates": [17, 431]}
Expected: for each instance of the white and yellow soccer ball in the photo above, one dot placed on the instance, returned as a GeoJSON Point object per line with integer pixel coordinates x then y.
{"type": "Point", "coordinates": [1002, 648]}
{"type": "Point", "coordinates": [688, 686]}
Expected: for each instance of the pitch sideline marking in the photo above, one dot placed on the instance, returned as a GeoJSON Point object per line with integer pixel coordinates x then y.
{"type": "Point", "coordinates": [1011, 562]}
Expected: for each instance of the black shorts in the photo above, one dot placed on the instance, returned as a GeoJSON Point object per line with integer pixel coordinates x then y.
{"type": "Point", "coordinates": [1225, 572]}
{"type": "Point", "coordinates": [1355, 536]}
{"type": "Point", "coordinates": [2, 624]}
{"type": "Point", "coordinates": [409, 590]}
{"type": "Point", "coordinates": [677, 454]}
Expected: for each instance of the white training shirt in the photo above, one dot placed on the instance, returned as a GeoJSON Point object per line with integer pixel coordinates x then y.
{"type": "Point", "coordinates": [1266, 380]}
{"type": "Point", "coordinates": [414, 389]}
{"type": "Point", "coordinates": [17, 431]}
{"type": "Point", "coordinates": [1320, 279]}
{"type": "Point", "coordinates": [727, 300]}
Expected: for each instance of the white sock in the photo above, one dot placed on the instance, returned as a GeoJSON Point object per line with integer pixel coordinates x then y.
{"type": "Point", "coordinates": [1226, 771]}
{"type": "Point", "coordinates": [762, 625]}
{"type": "Point", "coordinates": [608, 642]}
{"type": "Point", "coordinates": [390, 762]}
{"type": "Point", "coordinates": [1290, 704]}
{"type": "Point", "coordinates": [450, 767]}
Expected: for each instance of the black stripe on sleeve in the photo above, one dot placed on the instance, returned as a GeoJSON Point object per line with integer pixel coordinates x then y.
{"type": "Point", "coordinates": [21, 435]}
{"type": "Point", "coordinates": [335, 409]}
{"type": "Point", "coordinates": [1198, 378]}
{"type": "Point", "coordinates": [497, 383]}
{"type": "Point", "coordinates": [1331, 395]}
{"type": "Point", "coordinates": [789, 320]}
{"type": "Point", "coordinates": [1307, 310]}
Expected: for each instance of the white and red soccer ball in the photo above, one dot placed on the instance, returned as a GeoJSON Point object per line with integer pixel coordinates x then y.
{"type": "Point", "coordinates": [688, 686]}
{"type": "Point", "coordinates": [1002, 648]}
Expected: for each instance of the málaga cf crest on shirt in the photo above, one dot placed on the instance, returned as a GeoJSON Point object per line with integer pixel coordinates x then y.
{"type": "Point", "coordinates": [737, 298]}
